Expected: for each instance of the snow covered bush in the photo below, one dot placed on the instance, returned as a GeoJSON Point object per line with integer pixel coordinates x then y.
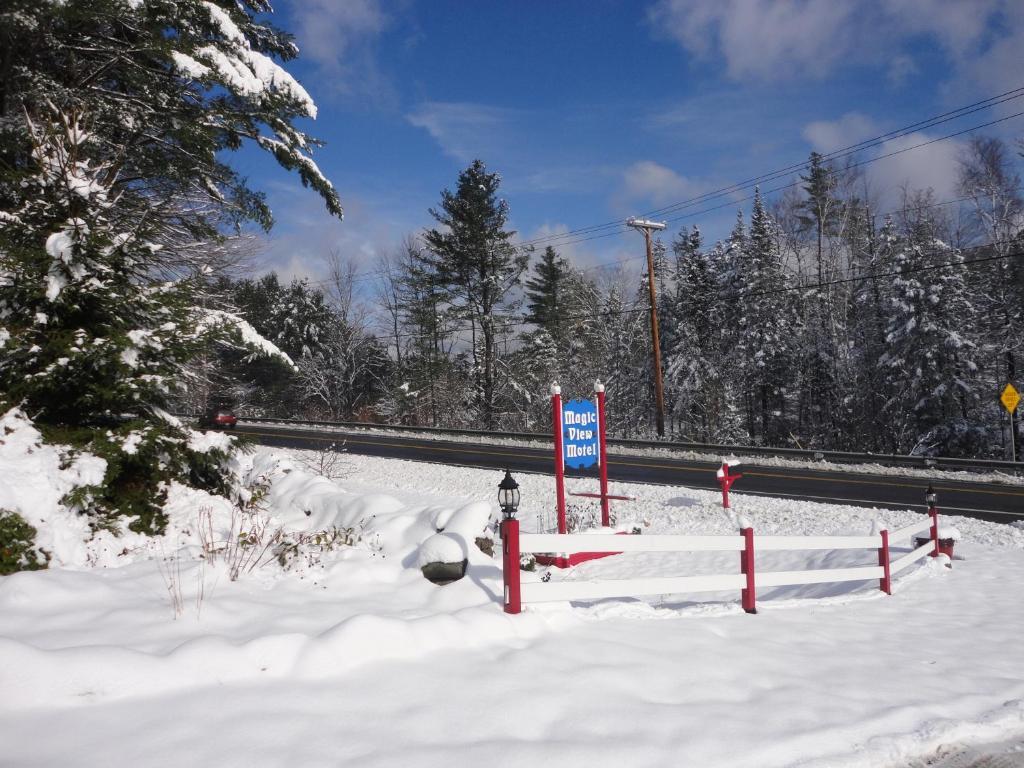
{"type": "Point", "coordinates": [18, 550]}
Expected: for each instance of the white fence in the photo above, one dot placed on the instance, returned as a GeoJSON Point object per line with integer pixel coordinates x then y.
{"type": "Point", "coordinates": [747, 580]}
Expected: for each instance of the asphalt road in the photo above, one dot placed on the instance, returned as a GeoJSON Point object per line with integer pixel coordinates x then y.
{"type": "Point", "coordinates": [987, 501]}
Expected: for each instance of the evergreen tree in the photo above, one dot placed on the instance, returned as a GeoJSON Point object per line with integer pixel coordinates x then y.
{"type": "Point", "coordinates": [299, 321]}
{"type": "Point", "coordinates": [703, 403]}
{"type": "Point", "coordinates": [473, 261]}
{"type": "Point", "coordinates": [543, 299]}
{"type": "Point", "coordinates": [928, 359]}
{"type": "Point", "coordinates": [820, 209]}
{"type": "Point", "coordinates": [765, 330]}
{"type": "Point", "coordinates": [818, 214]}
{"type": "Point", "coordinates": [872, 261]}
{"type": "Point", "coordinates": [115, 119]}
{"type": "Point", "coordinates": [996, 217]}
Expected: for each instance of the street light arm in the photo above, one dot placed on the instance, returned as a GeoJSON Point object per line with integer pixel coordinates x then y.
{"type": "Point", "coordinates": [636, 223]}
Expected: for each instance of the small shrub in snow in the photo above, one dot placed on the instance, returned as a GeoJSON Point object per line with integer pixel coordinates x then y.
{"type": "Point", "coordinates": [170, 572]}
{"type": "Point", "coordinates": [327, 462]}
{"type": "Point", "coordinates": [582, 518]}
{"type": "Point", "coordinates": [485, 544]}
{"type": "Point", "coordinates": [248, 542]}
{"type": "Point", "coordinates": [18, 551]}
{"type": "Point", "coordinates": [251, 540]}
{"type": "Point", "coordinates": [308, 549]}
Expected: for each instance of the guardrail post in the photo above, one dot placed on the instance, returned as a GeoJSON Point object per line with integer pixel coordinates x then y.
{"type": "Point", "coordinates": [510, 564]}
{"type": "Point", "coordinates": [885, 583]}
{"type": "Point", "coordinates": [748, 596]}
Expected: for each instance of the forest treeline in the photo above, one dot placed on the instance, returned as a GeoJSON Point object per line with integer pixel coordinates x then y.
{"type": "Point", "coordinates": [821, 321]}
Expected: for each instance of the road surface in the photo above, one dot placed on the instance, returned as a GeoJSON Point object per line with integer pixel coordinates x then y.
{"type": "Point", "coordinates": [987, 501]}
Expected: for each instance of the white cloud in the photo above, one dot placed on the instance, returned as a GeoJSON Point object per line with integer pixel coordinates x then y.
{"type": "Point", "coordinates": [998, 67]}
{"type": "Point", "coordinates": [465, 131]}
{"type": "Point", "coordinates": [769, 39]}
{"type": "Point", "coordinates": [306, 235]}
{"type": "Point", "coordinates": [339, 37]}
{"type": "Point", "coordinates": [935, 166]}
{"type": "Point", "coordinates": [651, 183]}
{"type": "Point", "coordinates": [573, 252]}
{"type": "Point", "coordinates": [782, 39]}
{"type": "Point", "coordinates": [830, 135]}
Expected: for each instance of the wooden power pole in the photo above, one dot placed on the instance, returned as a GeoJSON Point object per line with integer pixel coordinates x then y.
{"type": "Point", "coordinates": [646, 227]}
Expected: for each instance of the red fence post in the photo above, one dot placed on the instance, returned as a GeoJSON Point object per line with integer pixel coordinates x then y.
{"type": "Point", "coordinates": [556, 424]}
{"type": "Point", "coordinates": [602, 455]}
{"type": "Point", "coordinates": [748, 596]}
{"type": "Point", "coordinates": [885, 583]}
{"type": "Point", "coordinates": [510, 564]}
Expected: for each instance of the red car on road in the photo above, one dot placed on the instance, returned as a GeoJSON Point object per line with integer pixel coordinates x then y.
{"type": "Point", "coordinates": [222, 418]}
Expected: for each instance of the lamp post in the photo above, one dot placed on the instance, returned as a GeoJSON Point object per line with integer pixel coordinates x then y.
{"type": "Point", "coordinates": [931, 498]}
{"type": "Point", "coordinates": [508, 498]}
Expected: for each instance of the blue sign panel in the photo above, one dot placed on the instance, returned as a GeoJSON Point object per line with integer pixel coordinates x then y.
{"type": "Point", "coordinates": [579, 433]}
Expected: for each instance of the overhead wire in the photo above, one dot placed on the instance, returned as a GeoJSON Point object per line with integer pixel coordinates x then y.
{"type": "Point", "coordinates": [732, 189]}
{"type": "Point", "coordinates": [851, 149]}
{"type": "Point", "coordinates": [572, 237]}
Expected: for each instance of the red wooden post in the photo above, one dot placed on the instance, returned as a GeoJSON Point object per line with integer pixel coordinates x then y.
{"type": "Point", "coordinates": [885, 583]}
{"type": "Point", "coordinates": [556, 423]}
{"type": "Point", "coordinates": [724, 481]}
{"type": "Point", "coordinates": [749, 594]}
{"type": "Point", "coordinates": [510, 564]}
{"type": "Point", "coordinates": [602, 455]}
{"type": "Point", "coordinates": [934, 512]}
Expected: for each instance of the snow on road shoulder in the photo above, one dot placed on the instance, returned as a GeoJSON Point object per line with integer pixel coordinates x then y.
{"type": "Point", "coordinates": [671, 451]}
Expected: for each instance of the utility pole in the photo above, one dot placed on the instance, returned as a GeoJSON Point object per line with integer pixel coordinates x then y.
{"type": "Point", "coordinates": [646, 227]}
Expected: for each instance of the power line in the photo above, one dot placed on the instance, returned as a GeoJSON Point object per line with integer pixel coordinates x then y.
{"type": "Point", "coordinates": [770, 176]}
{"type": "Point", "coordinates": [729, 204]}
{"type": "Point", "coordinates": [930, 122]}
{"type": "Point", "coordinates": [965, 198]}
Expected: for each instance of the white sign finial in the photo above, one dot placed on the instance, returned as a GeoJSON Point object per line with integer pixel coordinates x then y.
{"type": "Point", "coordinates": [598, 386]}
{"type": "Point", "coordinates": [555, 389]}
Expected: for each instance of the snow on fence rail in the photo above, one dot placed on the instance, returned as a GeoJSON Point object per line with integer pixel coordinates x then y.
{"type": "Point", "coordinates": [747, 580]}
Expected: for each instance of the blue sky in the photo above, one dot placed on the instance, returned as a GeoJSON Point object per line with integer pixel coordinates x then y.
{"type": "Point", "coordinates": [593, 111]}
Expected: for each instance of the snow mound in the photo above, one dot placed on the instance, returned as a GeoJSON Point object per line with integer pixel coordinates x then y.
{"type": "Point", "coordinates": [34, 478]}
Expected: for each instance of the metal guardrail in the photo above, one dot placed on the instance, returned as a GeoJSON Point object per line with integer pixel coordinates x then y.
{"type": "Point", "coordinates": [838, 457]}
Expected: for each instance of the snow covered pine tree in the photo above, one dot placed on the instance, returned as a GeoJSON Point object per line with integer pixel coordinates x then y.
{"type": "Point", "coordinates": [114, 117]}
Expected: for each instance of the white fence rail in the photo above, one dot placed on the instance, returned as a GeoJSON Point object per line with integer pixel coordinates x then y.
{"type": "Point", "coordinates": [603, 542]}
{"type": "Point", "coordinates": [539, 592]}
{"type": "Point", "coordinates": [912, 557]}
{"type": "Point", "coordinates": [747, 581]}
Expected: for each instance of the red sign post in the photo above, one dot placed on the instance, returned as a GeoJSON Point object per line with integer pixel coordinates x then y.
{"type": "Point", "coordinates": [556, 423]}
{"type": "Point", "coordinates": [603, 455]}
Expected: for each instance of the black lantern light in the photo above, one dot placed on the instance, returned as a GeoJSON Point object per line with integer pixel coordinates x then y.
{"type": "Point", "coordinates": [931, 498]}
{"type": "Point", "coordinates": [508, 495]}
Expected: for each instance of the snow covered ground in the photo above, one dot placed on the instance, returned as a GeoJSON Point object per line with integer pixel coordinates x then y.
{"type": "Point", "coordinates": [350, 657]}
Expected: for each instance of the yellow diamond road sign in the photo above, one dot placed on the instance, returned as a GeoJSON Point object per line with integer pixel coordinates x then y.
{"type": "Point", "coordinates": [1010, 398]}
